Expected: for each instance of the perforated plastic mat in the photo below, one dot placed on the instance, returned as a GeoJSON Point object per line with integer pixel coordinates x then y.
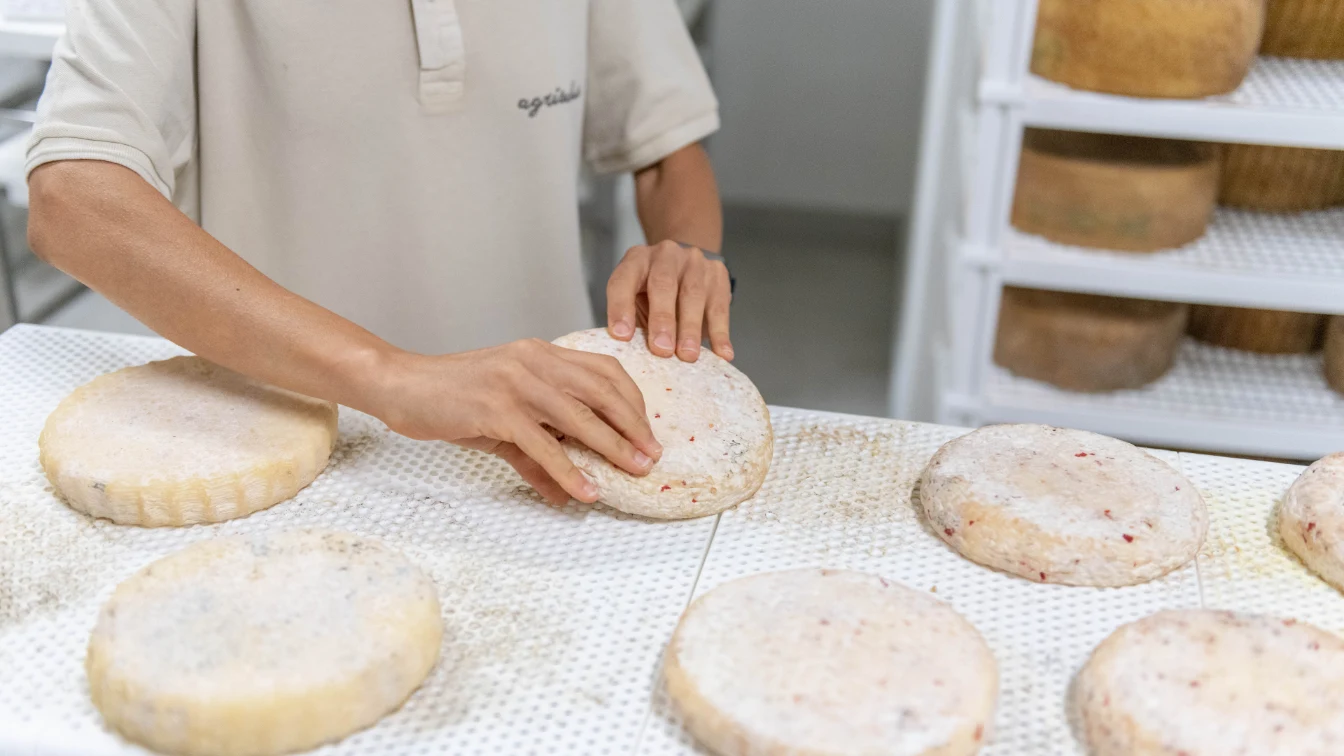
{"type": "Point", "coordinates": [557, 617]}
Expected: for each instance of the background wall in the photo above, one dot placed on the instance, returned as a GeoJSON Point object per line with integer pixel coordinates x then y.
{"type": "Point", "coordinates": [820, 101]}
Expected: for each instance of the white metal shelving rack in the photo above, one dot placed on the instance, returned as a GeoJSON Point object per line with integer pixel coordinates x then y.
{"type": "Point", "coordinates": [963, 250]}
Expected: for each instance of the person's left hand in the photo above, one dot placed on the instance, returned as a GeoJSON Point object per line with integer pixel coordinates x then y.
{"type": "Point", "coordinates": [676, 294]}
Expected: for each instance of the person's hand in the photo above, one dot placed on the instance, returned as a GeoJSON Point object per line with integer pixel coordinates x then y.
{"type": "Point", "coordinates": [676, 294]}
{"type": "Point", "coordinates": [513, 400]}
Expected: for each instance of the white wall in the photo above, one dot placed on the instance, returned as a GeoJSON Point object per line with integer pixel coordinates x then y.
{"type": "Point", "coordinates": [820, 101]}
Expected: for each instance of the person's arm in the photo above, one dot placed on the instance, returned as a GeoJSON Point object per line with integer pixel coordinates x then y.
{"type": "Point", "coordinates": [669, 283]}
{"type": "Point", "coordinates": [106, 226]}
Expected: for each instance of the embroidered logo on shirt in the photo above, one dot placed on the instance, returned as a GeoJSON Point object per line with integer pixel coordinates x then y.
{"type": "Point", "coordinates": [558, 97]}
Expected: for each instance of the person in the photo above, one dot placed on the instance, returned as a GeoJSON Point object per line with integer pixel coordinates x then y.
{"type": "Point", "coordinates": [375, 203]}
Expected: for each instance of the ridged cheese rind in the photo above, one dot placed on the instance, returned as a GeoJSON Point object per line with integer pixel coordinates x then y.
{"type": "Point", "coordinates": [1213, 683]}
{"type": "Point", "coordinates": [183, 441]}
{"type": "Point", "coordinates": [816, 662]}
{"type": "Point", "coordinates": [262, 644]}
{"type": "Point", "coordinates": [712, 422]}
{"type": "Point", "coordinates": [1055, 505]}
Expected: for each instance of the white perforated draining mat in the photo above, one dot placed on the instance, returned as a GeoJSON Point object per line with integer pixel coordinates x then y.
{"type": "Point", "coordinates": [1206, 382]}
{"type": "Point", "coordinates": [1305, 245]}
{"type": "Point", "coordinates": [557, 617]}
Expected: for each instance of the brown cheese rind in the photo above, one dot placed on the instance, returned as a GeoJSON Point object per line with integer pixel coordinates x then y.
{"type": "Point", "coordinates": [1263, 331]}
{"type": "Point", "coordinates": [1148, 48]}
{"type": "Point", "coordinates": [1114, 192]}
{"type": "Point", "coordinates": [1304, 29]}
{"type": "Point", "coordinates": [1281, 179]}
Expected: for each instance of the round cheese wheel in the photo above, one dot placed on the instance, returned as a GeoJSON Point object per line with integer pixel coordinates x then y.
{"type": "Point", "coordinates": [1062, 506]}
{"type": "Point", "coordinates": [1304, 29]}
{"type": "Point", "coordinates": [262, 644]}
{"type": "Point", "coordinates": [1264, 331]}
{"type": "Point", "coordinates": [1148, 48]}
{"type": "Point", "coordinates": [1114, 192]}
{"type": "Point", "coordinates": [1311, 518]}
{"type": "Point", "coordinates": [183, 441]}
{"type": "Point", "coordinates": [830, 663]}
{"type": "Point", "coordinates": [1281, 179]}
{"type": "Point", "coordinates": [1334, 353]}
{"type": "Point", "coordinates": [709, 417]}
{"type": "Point", "coordinates": [1083, 342]}
{"type": "Point", "coordinates": [1207, 683]}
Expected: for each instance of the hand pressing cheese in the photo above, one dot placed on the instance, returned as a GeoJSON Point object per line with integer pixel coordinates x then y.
{"type": "Point", "coordinates": [709, 417]}
{"type": "Point", "coordinates": [263, 644]}
{"type": "Point", "coordinates": [183, 441]}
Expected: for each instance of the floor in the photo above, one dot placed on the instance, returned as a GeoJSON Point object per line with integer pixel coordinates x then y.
{"type": "Point", "coordinates": [812, 318]}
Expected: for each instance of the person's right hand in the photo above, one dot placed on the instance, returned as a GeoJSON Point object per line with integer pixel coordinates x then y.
{"type": "Point", "coordinates": [510, 401]}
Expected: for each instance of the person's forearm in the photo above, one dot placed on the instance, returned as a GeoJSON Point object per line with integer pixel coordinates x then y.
{"type": "Point", "coordinates": [104, 225]}
{"type": "Point", "coordinates": [678, 200]}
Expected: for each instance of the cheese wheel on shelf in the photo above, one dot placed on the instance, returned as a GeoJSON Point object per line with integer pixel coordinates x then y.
{"type": "Point", "coordinates": [1148, 48]}
{"type": "Point", "coordinates": [1084, 342]}
{"type": "Point", "coordinates": [1281, 179]}
{"type": "Point", "coordinates": [1263, 331]}
{"type": "Point", "coordinates": [1114, 192]}
{"type": "Point", "coordinates": [1304, 29]}
{"type": "Point", "coordinates": [1334, 353]}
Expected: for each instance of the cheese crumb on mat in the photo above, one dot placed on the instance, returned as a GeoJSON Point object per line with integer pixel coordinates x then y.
{"type": "Point", "coordinates": [264, 644]}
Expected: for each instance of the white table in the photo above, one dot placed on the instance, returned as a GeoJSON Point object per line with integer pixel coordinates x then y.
{"type": "Point", "coordinates": [556, 617]}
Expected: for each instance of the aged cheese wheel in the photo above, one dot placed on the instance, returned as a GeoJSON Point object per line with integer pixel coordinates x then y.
{"type": "Point", "coordinates": [1311, 518]}
{"type": "Point", "coordinates": [1209, 683]}
{"type": "Point", "coordinates": [1114, 192]}
{"type": "Point", "coordinates": [1281, 179]}
{"type": "Point", "coordinates": [183, 441]}
{"type": "Point", "coordinates": [1334, 353]}
{"type": "Point", "coordinates": [262, 644]}
{"type": "Point", "coordinates": [1148, 48]}
{"type": "Point", "coordinates": [1083, 342]}
{"type": "Point", "coordinates": [1062, 506]}
{"type": "Point", "coordinates": [1264, 331]}
{"type": "Point", "coordinates": [709, 417]}
{"type": "Point", "coordinates": [1304, 29]}
{"type": "Point", "coordinates": [830, 663]}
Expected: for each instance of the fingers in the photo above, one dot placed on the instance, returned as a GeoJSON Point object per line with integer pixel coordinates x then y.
{"type": "Point", "coordinates": [625, 284]}
{"type": "Point", "coordinates": [716, 311]}
{"type": "Point", "coordinates": [664, 278]}
{"type": "Point", "coordinates": [548, 454]}
{"type": "Point", "coordinates": [691, 309]}
{"type": "Point", "coordinates": [576, 418]}
{"type": "Point", "coordinates": [610, 369]}
{"type": "Point", "coordinates": [534, 474]}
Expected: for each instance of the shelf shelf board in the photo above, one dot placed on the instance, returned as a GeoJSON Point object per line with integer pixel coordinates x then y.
{"type": "Point", "coordinates": [1283, 101]}
{"type": "Point", "coordinates": [1277, 261]}
{"type": "Point", "coordinates": [1214, 399]}
{"type": "Point", "coordinates": [31, 39]}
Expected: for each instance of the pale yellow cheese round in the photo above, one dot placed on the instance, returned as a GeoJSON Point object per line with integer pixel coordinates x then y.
{"type": "Point", "coordinates": [1209, 683]}
{"type": "Point", "coordinates": [818, 662]}
{"type": "Point", "coordinates": [264, 644]}
{"type": "Point", "coordinates": [183, 441]}
{"type": "Point", "coordinates": [710, 419]}
{"type": "Point", "coordinates": [1055, 505]}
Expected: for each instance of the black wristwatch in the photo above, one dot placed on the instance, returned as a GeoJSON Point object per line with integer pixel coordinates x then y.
{"type": "Point", "coordinates": [716, 257]}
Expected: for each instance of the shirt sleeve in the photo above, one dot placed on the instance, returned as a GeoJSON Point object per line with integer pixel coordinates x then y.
{"type": "Point", "coordinates": [648, 95]}
{"type": "Point", "coordinates": [121, 88]}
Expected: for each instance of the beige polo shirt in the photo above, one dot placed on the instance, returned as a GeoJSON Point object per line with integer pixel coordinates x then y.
{"type": "Point", "coordinates": [410, 164]}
